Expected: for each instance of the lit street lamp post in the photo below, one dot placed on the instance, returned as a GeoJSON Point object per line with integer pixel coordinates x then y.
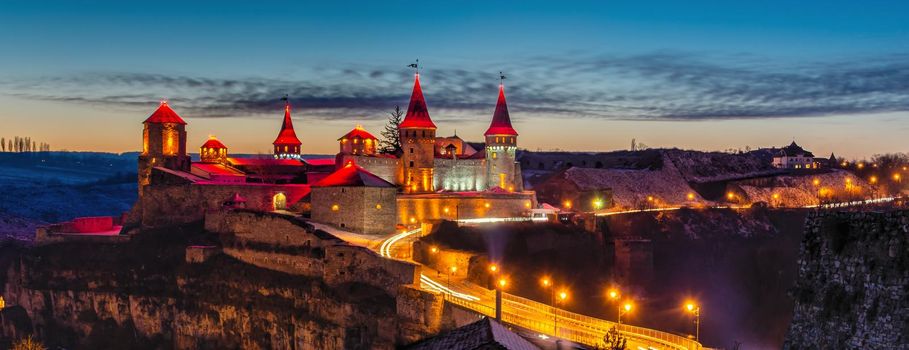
{"type": "Point", "coordinates": [623, 310]}
{"type": "Point", "coordinates": [696, 310]}
{"type": "Point", "coordinates": [451, 271]}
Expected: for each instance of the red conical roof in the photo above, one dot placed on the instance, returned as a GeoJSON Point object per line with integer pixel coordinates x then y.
{"type": "Point", "coordinates": [417, 113]}
{"type": "Point", "coordinates": [213, 143]}
{"type": "Point", "coordinates": [164, 115]}
{"type": "Point", "coordinates": [501, 122]}
{"type": "Point", "coordinates": [352, 175]}
{"type": "Point", "coordinates": [287, 136]}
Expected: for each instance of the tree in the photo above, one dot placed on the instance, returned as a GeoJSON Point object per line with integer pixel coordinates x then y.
{"type": "Point", "coordinates": [391, 138]}
{"type": "Point", "coordinates": [28, 343]}
{"type": "Point", "coordinates": [614, 340]}
{"type": "Point", "coordinates": [2, 144]}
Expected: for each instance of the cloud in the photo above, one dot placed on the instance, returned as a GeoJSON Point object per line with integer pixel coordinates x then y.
{"type": "Point", "coordinates": [655, 86]}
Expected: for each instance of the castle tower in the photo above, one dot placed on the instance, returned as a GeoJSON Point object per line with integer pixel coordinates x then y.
{"type": "Point", "coordinates": [163, 143]}
{"type": "Point", "coordinates": [418, 135]}
{"type": "Point", "coordinates": [501, 144]}
{"type": "Point", "coordinates": [213, 151]}
{"type": "Point", "coordinates": [358, 142]}
{"type": "Point", "coordinates": [287, 145]}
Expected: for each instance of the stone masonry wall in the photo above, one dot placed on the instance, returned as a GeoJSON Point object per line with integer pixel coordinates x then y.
{"type": "Point", "coordinates": [853, 286]}
{"type": "Point", "coordinates": [370, 210]}
{"type": "Point", "coordinates": [290, 245]}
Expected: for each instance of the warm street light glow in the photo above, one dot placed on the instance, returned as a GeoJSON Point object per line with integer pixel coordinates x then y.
{"type": "Point", "coordinates": [896, 177]}
{"type": "Point", "coordinates": [486, 204]}
{"type": "Point", "coordinates": [690, 196]}
{"type": "Point", "coordinates": [730, 195]}
{"type": "Point", "coordinates": [502, 283]}
{"type": "Point", "coordinates": [434, 249]}
{"type": "Point", "coordinates": [650, 198]}
{"type": "Point", "coordinates": [413, 220]}
{"type": "Point", "coordinates": [567, 204]}
{"type": "Point", "coordinates": [627, 307]}
{"type": "Point", "coordinates": [690, 307]}
{"type": "Point", "coordinates": [445, 210]}
{"type": "Point", "coordinates": [776, 196]}
{"type": "Point", "coordinates": [493, 268]}
{"type": "Point", "coordinates": [597, 203]}
{"type": "Point", "coordinates": [545, 282]}
{"type": "Point", "coordinates": [873, 179]}
{"type": "Point", "coordinates": [816, 182]}
{"type": "Point", "coordinates": [453, 269]}
{"type": "Point", "coordinates": [563, 295]}
{"type": "Point", "coordinates": [613, 294]}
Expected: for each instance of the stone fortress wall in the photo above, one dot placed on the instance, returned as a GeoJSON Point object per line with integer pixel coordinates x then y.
{"type": "Point", "coordinates": [852, 291]}
{"type": "Point", "coordinates": [287, 244]}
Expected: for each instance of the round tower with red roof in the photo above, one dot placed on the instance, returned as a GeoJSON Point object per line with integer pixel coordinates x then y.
{"type": "Point", "coordinates": [287, 145]}
{"type": "Point", "coordinates": [501, 145]}
{"type": "Point", "coordinates": [163, 143]}
{"type": "Point", "coordinates": [213, 151]}
{"type": "Point", "coordinates": [358, 142]}
{"type": "Point", "coordinates": [418, 137]}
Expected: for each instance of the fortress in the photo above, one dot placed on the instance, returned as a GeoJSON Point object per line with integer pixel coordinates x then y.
{"type": "Point", "coordinates": [361, 189]}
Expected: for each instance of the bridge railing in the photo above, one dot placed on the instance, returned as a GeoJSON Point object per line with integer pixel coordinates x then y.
{"type": "Point", "coordinates": [594, 328]}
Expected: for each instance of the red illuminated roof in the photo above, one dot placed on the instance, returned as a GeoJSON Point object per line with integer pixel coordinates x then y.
{"type": "Point", "coordinates": [358, 132]}
{"type": "Point", "coordinates": [320, 161]}
{"type": "Point", "coordinates": [217, 169]}
{"type": "Point", "coordinates": [287, 136]}
{"type": "Point", "coordinates": [501, 122]}
{"type": "Point", "coordinates": [417, 113]}
{"type": "Point", "coordinates": [213, 143]}
{"type": "Point", "coordinates": [352, 175]}
{"type": "Point", "coordinates": [264, 161]}
{"type": "Point", "coordinates": [164, 114]}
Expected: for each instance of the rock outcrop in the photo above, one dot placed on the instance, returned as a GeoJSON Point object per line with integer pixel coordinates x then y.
{"type": "Point", "coordinates": [853, 285]}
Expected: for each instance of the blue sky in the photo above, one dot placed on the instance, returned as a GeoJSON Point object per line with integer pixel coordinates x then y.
{"type": "Point", "coordinates": [695, 74]}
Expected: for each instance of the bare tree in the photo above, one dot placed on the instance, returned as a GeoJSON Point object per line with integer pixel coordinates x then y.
{"type": "Point", "coordinates": [391, 137]}
{"type": "Point", "coordinates": [614, 340]}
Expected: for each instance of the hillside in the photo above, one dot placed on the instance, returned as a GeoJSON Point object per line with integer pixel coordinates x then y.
{"type": "Point", "coordinates": [49, 187]}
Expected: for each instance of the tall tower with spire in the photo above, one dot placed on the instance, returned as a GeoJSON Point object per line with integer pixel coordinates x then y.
{"type": "Point", "coordinates": [501, 145]}
{"type": "Point", "coordinates": [287, 145]}
{"type": "Point", "coordinates": [163, 144]}
{"type": "Point", "coordinates": [418, 135]}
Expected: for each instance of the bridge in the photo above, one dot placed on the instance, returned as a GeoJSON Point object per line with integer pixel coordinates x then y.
{"type": "Point", "coordinates": [542, 318]}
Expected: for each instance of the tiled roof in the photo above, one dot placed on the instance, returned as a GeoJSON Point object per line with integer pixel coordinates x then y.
{"type": "Point", "coordinates": [501, 122]}
{"type": "Point", "coordinates": [164, 114]}
{"type": "Point", "coordinates": [417, 113]}
{"type": "Point", "coordinates": [352, 175]}
{"type": "Point", "coordinates": [483, 334]}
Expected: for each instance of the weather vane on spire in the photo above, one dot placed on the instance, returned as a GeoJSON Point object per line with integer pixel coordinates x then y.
{"type": "Point", "coordinates": [415, 66]}
{"type": "Point", "coordinates": [501, 78]}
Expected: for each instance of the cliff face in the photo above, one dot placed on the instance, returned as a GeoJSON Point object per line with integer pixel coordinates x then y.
{"type": "Point", "coordinates": [143, 295]}
{"type": "Point", "coordinates": [853, 285]}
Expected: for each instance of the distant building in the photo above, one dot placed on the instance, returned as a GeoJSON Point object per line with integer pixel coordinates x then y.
{"type": "Point", "coordinates": [794, 157]}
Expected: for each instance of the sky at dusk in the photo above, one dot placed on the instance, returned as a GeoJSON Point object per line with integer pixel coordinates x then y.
{"type": "Point", "coordinates": [706, 75]}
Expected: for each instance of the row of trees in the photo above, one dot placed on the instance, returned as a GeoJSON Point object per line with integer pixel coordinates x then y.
{"type": "Point", "coordinates": [22, 144]}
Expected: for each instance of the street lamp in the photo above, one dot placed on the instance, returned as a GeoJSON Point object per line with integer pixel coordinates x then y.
{"type": "Point", "coordinates": [625, 309]}
{"type": "Point", "coordinates": [451, 271]}
{"type": "Point", "coordinates": [500, 285]}
{"type": "Point", "coordinates": [696, 310]}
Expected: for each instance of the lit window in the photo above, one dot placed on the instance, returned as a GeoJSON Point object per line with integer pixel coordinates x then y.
{"type": "Point", "coordinates": [378, 206]}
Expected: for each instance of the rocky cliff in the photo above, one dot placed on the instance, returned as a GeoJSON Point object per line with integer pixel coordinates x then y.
{"type": "Point", "coordinates": [853, 286]}
{"type": "Point", "coordinates": [142, 294]}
